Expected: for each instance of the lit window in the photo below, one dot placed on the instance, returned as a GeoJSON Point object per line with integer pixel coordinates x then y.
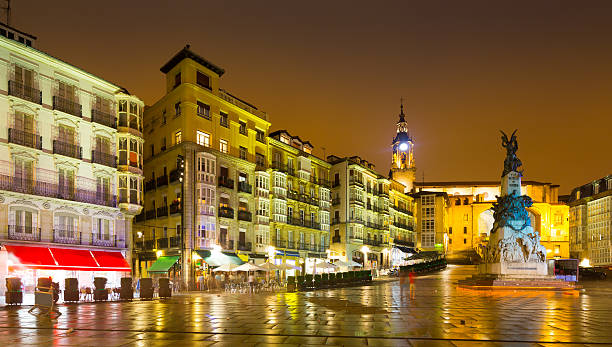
{"type": "Point", "coordinates": [178, 138]}
{"type": "Point", "coordinates": [284, 139]}
{"type": "Point", "coordinates": [223, 146]}
{"type": "Point", "coordinates": [203, 139]}
{"type": "Point", "coordinates": [243, 153]}
{"type": "Point", "coordinates": [243, 128]}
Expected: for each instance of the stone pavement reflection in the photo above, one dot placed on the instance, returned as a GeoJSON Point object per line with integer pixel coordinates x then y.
{"type": "Point", "coordinates": [376, 315]}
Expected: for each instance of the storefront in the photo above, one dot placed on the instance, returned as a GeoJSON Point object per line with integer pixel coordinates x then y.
{"type": "Point", "coordinates": [290, 261]}
{"type": "Point", "coordinates": [400, 255]}
{"type": "Point", "coordinates": [32, 262]}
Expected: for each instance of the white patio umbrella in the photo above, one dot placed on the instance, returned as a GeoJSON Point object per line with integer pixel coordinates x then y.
{"type": "Point", "coordinates": [246, 267]}
{"type": "Point", "coordinates": [326, 266]}
{"type": "Point", "coordinates": [269, 266]}
{"type": "Point", "coordinates": [226, 268]}
{"type": "Point", "coordinates": [289, 267]}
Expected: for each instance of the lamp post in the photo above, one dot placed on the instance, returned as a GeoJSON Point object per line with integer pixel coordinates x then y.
{"type": "Point", "coordinates": [365, 250]}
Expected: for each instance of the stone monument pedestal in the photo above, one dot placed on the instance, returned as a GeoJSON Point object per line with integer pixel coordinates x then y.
{"type": "Point", "coordinates": [518, 270]}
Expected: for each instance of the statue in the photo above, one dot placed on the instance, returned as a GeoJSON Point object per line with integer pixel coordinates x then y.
{"type": "Point", "coordinates": [512, 162]}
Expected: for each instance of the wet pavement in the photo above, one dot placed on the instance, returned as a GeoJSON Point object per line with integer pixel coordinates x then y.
{"type": "Point", "coordinates": [374, 315]}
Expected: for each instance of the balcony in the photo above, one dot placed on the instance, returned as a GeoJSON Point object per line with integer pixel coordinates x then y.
{"type": "Point", "coordinates": [336, 239]}
{"type": "Point", "coordinates": [372, 242]}
{"type": "Point", "coordinates": [278, 166]}
{"type": "Point", "coordinates": [104, 118]}
{"type": "Point", "coordinates": [174, 175]}
{"type": "Point", "coordinates": [67, 106]}
{"type": "Point", "coordinates": [244, 215]}
{"type": "Point", "coordinates": [357, 201]}
{"type": "Point", "coordinates": [303, 246]}
{"type": "Point", "coordinates": [71, 237]}
{"type": "Point", "coordinates": [175, 241]}
{"type": "Point", "coordinates": [104, 240]}
{"type": "Point", "coordinates": [226, 212]}
{"type": "Point", "coordinates": [23, 233]}
{"type": "Point", "coordinates": [279, 243]}
{"type": "Point", "coordinates": [150, 214]}
{"type": "Point", "coordinates": [162, 181]}
{"type": "Point", "coordinates": [403, 226]}
{"type": "Point", "coordinates": [245, 187]}
{"type": "Point", "coordinates": [226, 182]}
{"type": "Point", "coordinates": [150, 185]}
{"type": "Point", "coordinates": [140, 217]}
{"type": "Point", "coordinates": [176, 208]}
{"type": "Point", "coordinates": [246, 246]}
{"type": "Point", "coordinates": [373, 225]}
{"type": "Point", "coordinates": [325, 183]}
{"type": "Point", "coordinates": [162, 211]}
{"type": "Point", "coordinates": [104, 158]}
{"type": "Point", "coordinates": [403, 242]}
{"type": "Point", "coordinates": [24, 138]}
{"type": "Point", "coordinates": [356, 181]}
{"type": "Point", "coordinates": [67, 149]}
{"type": "Point", "coordinates": [25, 92]}
{"type": "Point", "coordinates": [162, 243]}
{"type": "Point", "coordinates": [335, 221]}
{"type": "Point", "coordinates": [384, 194]}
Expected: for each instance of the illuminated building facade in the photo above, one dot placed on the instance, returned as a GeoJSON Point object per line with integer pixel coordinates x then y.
{"type": "Point", "coordinates": [203, 146]}
{"type": "Point", "coordinates": [590, 222]}
{"type": "Point", "coordinates": [469, 215]}
{"type": "Point", "coordinates": [432, 216]}
{"type": "Point", "coordinates": [299, 201]}
{"type": "Point", "coordinates": [403, 168]}
{"type": "Point", "coordinates": [63, 190]}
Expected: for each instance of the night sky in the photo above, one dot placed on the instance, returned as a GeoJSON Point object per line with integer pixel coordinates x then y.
{"type": "Point", "coordinates": [333, 72]}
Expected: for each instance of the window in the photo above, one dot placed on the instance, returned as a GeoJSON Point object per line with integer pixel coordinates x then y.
{"type": "Point", "coordinates": [163, 144]}
{"type": "Point", "coordinates": [177, 79]}
{"type": "Point", "coordinates": [465, 230]}
{"type": "Point", "coordinates": [243, 128]}
{"type": "Point", "coordinates": [260, 160]}
{"type": "Point", "coordinates": [23, 221]}
{"type": "Point", "coordinates": [202, 80]}
{"type": "Point", "coordinates": [243, 153]}
{"type": "Point", "coordinates": [284, 139]}
{"type": "Point", "coordinates": [102, 229]}
{"type": "Point", "coordinates": [260, 136]}
{"type": "Point", "coordinates": [203, 110]}
{"type": "Point", "coordinates": [464, 241]}
{"type": "Point", "coordinates": [450, 230]}
{"type": "Point", "coordinates": [123, 151]}
{"type": "Point", "coordinates": [134, 191]}
{"type": "Point", "coordinates": [223, 146]}
{"type": "Point", "coordinates": [224, 119]}
{"type": "Point", "coordinates": [177, 109]}
{"type": "Point", "coordinates": [203, 139]}
{"type": "Point", "coordinates": [178, 138]}
{"type": "Point", "coordinates": [163, 117]}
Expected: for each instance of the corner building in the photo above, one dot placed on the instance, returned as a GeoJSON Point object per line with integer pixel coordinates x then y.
{"type": "Point", "coordinates": [69, 188]}
{"type": "Point", "coordinates": [203, 148]}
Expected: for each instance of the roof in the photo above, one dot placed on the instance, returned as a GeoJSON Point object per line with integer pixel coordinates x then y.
{"type": "Point", "coordinates": [474, 183]}
{"type": "Point", "coordinates": [187, 53]}
{"type": "Point", "coordinates": [588, 189]}
{"type": "Point", "coordinates": [17, 30]}
{"type": "Point", "coordinates": [283, 131]}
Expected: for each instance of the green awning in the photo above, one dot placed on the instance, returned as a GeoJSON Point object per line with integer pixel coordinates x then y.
{"type": "Point", "coordinates": [163, 264]}
{"type": "Point", "coordinates": [215, 259]}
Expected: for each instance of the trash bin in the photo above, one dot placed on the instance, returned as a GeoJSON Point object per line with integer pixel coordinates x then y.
{"type": "Point", "coordinates": [100, 291]}
{"type": "Point", "coordinates": [71, 289]}
{"type": "Point", "coordinates": [164, 288]}
{"type": "Point", "coordinates": [127, 292]}
{"type": "Point", "coordinates": [146, 288]}
{"type": "Point", "coordinates": [14, 295]}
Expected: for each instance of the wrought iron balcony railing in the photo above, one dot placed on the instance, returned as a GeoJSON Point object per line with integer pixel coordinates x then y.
{"type": "Point", "coordinates": [68, 149]}
{"type": "Point", "coordinates": [23, 233]}
{"type": "Point", "coordinates": [67, 106]}
{"type": "Point", "coordinates": [104, 158]}
{"type": "Point", "coordinates": [25, 92]}
{"type": "Point", "coordinates": [24, 138]}
{"type": "Point", "coordinates": [104, 118]}
{"type": "Point", "coordinates": [66, 236]}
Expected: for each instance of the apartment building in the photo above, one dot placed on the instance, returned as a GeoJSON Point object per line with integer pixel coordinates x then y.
{"type": "Point", "coordinates": [590, 222]}
{"type": "Point", "coordinates": [203, 145]}
{"type": "Point", "coordinates": [66, 201]}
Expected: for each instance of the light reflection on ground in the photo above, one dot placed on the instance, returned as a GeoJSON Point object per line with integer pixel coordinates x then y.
{"type": "Point", "coordinates": [442, 314]}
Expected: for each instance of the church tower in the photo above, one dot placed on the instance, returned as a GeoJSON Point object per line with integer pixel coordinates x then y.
{"type": "Point", "coordinates": [402, 167]}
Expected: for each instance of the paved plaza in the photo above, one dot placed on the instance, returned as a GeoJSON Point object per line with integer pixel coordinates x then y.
{"type": "Point", "coordinates": [374, 315]}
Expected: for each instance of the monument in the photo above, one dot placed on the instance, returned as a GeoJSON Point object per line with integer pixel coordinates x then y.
{"type": "Point", "coordinates": [514, 255]}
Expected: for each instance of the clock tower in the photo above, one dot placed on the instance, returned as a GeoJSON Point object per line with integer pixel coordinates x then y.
{"type": "Point", "coordinates": [402, 166]}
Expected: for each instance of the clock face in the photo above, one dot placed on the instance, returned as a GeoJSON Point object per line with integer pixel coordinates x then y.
{"type": "Point", "coordinates": [403, 147]}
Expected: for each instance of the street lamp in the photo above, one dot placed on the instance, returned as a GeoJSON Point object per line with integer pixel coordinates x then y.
{"type": "Point", "coordinates": [365, 250]}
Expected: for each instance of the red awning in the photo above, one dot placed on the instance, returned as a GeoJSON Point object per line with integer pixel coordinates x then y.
{"type": "Point", "coordinates": [30, 257]}
{"type": "Point", "coordinates": [111, 261]}
{"type": "Point", "coordinates": [73, 259]}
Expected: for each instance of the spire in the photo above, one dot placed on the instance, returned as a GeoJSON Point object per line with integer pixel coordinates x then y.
{"type": "Point", "coordinates": [401, 116]}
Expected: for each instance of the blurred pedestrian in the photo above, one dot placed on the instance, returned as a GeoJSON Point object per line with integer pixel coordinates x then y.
{"type": "Point", "coordinates": [251, 282]}
{"type": "Point", "coordinates": [403, 282]}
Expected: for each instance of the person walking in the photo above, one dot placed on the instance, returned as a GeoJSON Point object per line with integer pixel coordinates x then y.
{"type": "Point", "coordinates": [411, 277]}
{"type": "Point", "coordinates": [402, 281]}
{"type": "Point", "coordinates": [252, 282]}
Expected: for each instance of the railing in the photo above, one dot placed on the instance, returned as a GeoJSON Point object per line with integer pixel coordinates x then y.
{"type": "Point", "coordinates": [260, 138]}
{"type": "Point", "coordinates": [176, 208]}
{"type": "Point", "coordinates": [325, 183]}
{"type": "Point", "coordinates": [150, 214]}
{"type": "Point", "coordinates": [357, 201]}
{"type": "Point", "coordinates": [162, 242]}
{"type": "Point", "coordinates": [305, 223]}
{"type": "Point", "coordinates": [356, 181]}
{"type": "Point", "coordinates": [175, 241]}
{"type": "Point", "coordinates": [148, 244]}
{"type": "Point", "coordinates": [244, 215]}
{"type": "Point", "coordinates": [403, 210]}
{"type": "Point", "coordinates": [104, 158]}
{"type": "Point", "coordinates": [67, 149]}
{"type": "Point", "coordinates": [241, 104]}
{"type": "Point", "coordinates": [150, 185]}
{"type": "Point", "coordinates": [70, 191]}
{"type": "Point", "coordinates": [403, 242]}
{"type": "Point", "coordinates": [162, 181]}
{"type": "Point", "coordinates": [279, 166]}
{"type": "Point", "coordinates": [279, 243]}
{"type": "Point", "coordinates": [174, 175]}
{"type": "Point", "coordinates": [226, 212]}
{"type": "Point", "coordinates": [383, 193]}
{"type": "Point", "coordinates": [24, 138]}
{"type": "Point", "coordinates": [96, 240]}
{"type": "Point", "coordinates": [72, 237]}
{"type": "Point", "coordinates": [23, 233]}
{"type": "Point", "coordinates": [335, 221]}
{"type": "Point", "coordinates": [162, 211]}
{"type": "Point", "coordinates": [245, 187]}
{"type": "Point", "coordinates": [24, 92]}
{"type": "Point", "coordinates": [372, 242]}
{"type": "Point", "coordinates": [246, 246]}
{"type": "Point", "coordinates": [104, 118]}
{"type": "Point", "coordinates": [336, 239]}
{"type": "Point", "coordinates": [67, 106]}
{"type": "Point", "coordinates": [140, 217]}
{"type": "Point", "coordinates": [373, 225]}
{"type": "Point", "coordinates": [403, 226]}
{"type": "Point", "coordinates": [226, 182]}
